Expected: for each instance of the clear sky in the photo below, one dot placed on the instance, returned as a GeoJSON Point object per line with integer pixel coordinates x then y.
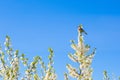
{"type": "Point", "coordinates": [36, 25]}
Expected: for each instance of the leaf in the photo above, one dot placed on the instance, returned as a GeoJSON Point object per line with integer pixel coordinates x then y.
{"type": "Point", "coordinates": [50, 50]}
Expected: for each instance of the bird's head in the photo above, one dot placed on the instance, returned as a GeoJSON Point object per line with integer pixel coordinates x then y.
{"type": "Point", "coordinates": [80, 26]}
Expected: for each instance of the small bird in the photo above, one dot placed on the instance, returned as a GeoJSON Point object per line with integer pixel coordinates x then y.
{"type": "Point", "coordinates": [81, 30]}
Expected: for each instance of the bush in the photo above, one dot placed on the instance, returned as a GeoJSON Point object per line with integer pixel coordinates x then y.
{"type": "Point", "coordinates": [10, 61]}
{"type": "Point", "coordinates": [10, 65]}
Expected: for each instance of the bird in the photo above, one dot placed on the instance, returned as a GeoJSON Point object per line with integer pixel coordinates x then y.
{"type": "Point", "coordinates": [81, 30]}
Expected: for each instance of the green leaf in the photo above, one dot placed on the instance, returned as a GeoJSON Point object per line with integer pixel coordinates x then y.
{"type": "Point", "coordinates": [2, 60]}
{"type": "Point", "coordinates": [23, 55]}
{"type": "Point", "coordinates": [72, 41]}
{"type": "Point", "coordinates": [50, 50]}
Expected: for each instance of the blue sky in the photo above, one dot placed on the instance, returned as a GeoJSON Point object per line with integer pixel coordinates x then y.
{"type": "Point", "coordinates": [36, 25]}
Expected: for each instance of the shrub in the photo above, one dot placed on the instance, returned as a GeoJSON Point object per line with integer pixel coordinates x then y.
{"type": "Point", "coordinates": [10, 61]}
{"type": "Point", "coordinates": [10, 65]}
{"type": "Point", "coordinates": [82, 58]}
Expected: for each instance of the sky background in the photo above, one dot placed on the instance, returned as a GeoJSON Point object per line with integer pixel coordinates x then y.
{"type": "Point", "coordinates": [36, 25]}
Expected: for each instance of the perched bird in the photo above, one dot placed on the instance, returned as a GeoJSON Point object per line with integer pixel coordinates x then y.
{"type": "Point", "coordinates": [81, 30]}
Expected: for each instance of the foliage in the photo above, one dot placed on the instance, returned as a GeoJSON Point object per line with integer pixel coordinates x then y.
{"type": "Point", "coordinates": [107, 77]}
{"type": "Point", "coordinates": [82, 58]}
{"type": "Point", "coordinates": [10, 65]}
